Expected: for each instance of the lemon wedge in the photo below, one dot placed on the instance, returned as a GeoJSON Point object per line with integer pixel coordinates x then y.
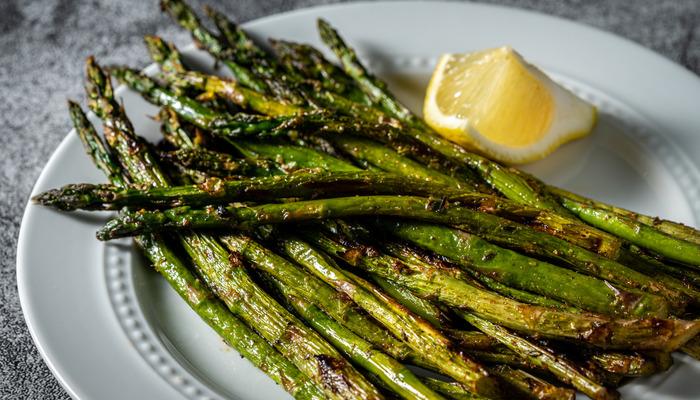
{"type": "Point", "coordinates": [494, 102]}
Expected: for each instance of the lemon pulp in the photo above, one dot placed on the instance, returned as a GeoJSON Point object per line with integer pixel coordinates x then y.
{"type": "Point", "coordinates": [495, 102]}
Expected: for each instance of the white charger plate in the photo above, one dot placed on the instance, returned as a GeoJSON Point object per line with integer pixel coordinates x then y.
{"type": "Point", "coordinates": [109, 327]}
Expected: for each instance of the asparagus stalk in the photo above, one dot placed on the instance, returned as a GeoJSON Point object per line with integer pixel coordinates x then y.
{"type": "Point", "coordinates": [475, 278]}
{"type": "Point", "coordinates": [526, 355]}
{"type": "Point", "coordinates": [244, 51]}
{"type": "Point", "coordinates": [212, 163]}
{"type": "Point", "coordinates": [652, 265]}
{"type": "Point", "coordinates": [421, 307]}
{"type": "Point", "coordinates": [173, 132]}
{"type": "Point", "coordinates": [191, 289]}
{"type": "Point", "coordinates": [164, 54]}
{"type": "Point", "coordinates": [615, 225]}
{"type": "Point", "coordinates": [316, 357]}
{"type": "Point", "coordinates": [587, 262]}
{"type": "Point", "coordinates": [390, 161]}
{"type": "Point", "coordinates": [301, 184]}
{"type": "Point", "coordinates": [564, 370]}
{"type": "Point", "coordinates": [95, 148]}
{"type": "Point", "coordinates": [411, 255]}
{"type": "Point", "coordinates": [692, 348]}
{"type": "Point", "coordinates": [287, 83]}
{"type": "Point", "coordinates": [231, 329]}
{"type": "Point", "coordinates": [472, 340]}
{"type": "Point", "coordinates": [313, 289]}
{"type": "Point", "coordinates": [313, 65]}
{"type": "Point", "coordinates": [186, 18]}
{"type": "Point", "coordinates": [311, 184]}
{"type": "Point", "coordinates": [675, 237]}
{"type": "Point", "coordinates": [309, 352]}
{"type": "Point", "coordinates": [553, 248]}
{"type": "Point", "coordinates": [221, 124]}
{"type": "Point", "coordinates": [453, 390]}
{"type": "Point", "coordinates": [632, 364]}
{"type": "Point", "coordinates": [636, 232]}
{"type": "Point", "coordinates": [395, 375]}
{"type": "Point", "coordinates": [415, 331]}
{"type": "Point", "coordinates": [470, 251]}
{"type": "Point", "coordinates": [615, 363]}
{"type": "Point", "coordinates": [532, 387]}
{"type": "Point", "coordinates": [594, 329]}
{"type": "Point", "coordinates": [675, 229]}
{"type": "Point", "coordinates": [500, 178]}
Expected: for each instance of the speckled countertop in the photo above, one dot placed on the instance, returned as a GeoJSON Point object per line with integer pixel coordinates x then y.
{"type": "Point", "coordinates": [42, 48]}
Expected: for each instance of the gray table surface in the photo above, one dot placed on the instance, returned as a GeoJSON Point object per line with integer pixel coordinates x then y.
{"type": "Point", "coordinates": [42, 48]}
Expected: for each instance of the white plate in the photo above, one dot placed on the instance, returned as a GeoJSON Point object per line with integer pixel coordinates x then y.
{"type": "Point", "coordinates": [110, 328]}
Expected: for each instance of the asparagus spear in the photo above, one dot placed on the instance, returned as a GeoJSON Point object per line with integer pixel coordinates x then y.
{"type": "Point", "coordinates": [553, 248]}
{"type": "Point", "coordinates": [470, 251]}
{"type": "Point", "coordinates": [542, 220]}
{"type": "Point", "coordinates": [313, 65]}
{"type": "Point", "coordinates": [632, 364]}
{"type": "Point", "coordinates": [616, 363]}
{"type": "Point", "coordinates": [564, 370]}
{"type": "Point", "coordinates": [674, 241]}
{"type": "Point", "coordinates": [288, 83]}
{"type": "Point", "coordinates": [421, 307]}
{"type": "Point", "coordinates": [475, 278]}
{"type": "Point", "coordinates": [636, 232]}
{"type": "Point", "coordinates": [309, 352]}
{"type": "Point", "coordinates": [244, 51]}
{"type": "Point", "coordinates": [395, 375]}
{"type": "Point", "coordinates": [675, 229]}
{"type": "Point", "coordinates": [305, 185]}
{"type": "Point", "coordinates": [421, 336]}
{"type": "Point", "coordinates": [692, 348]}
{"type": "Point", "coordinates": [372, 154]}
{"type": "Point", "coordinates": [191, 289]}
{"type": "Point", "coordinates": [652, 265]}
{"type": "Point", "coordinates": [589, 263]}
{"type": "Point", "coordinates": [532, 387]}
{"type": "Point", "coordinates": [411, 255]}
{"type": "Point", "coordinates": [173, 132]}
{"type": "Point", "coordinates": [102, 158]}
{"type": "Point", "coordinates": [390, 161]}
{"type": "Point", "coordinates": [234, 331]}
{"type": "Point", "coordinates": [594, 329]}
{"type": "Point", "coordinates": [184, 16]}
{"type": "Point", "coordinates": [316, 357]}
{"type": "Point", "coordinates": [313, 289]}
{"type": "Point", "coordinates": [472, 340]}
{"type": "Point", "coordinates": [466, 339]}
{"type": "Point", "coordinates": [528, 355]}
{"type": "Point", "coordinates": [453, 390]}
{"type": "Point", "coordinates": [210, 162]}
{"type": "Point", "coordinates": [484, 356]}
{"type": "Point", "coordinates": [302, 184]}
